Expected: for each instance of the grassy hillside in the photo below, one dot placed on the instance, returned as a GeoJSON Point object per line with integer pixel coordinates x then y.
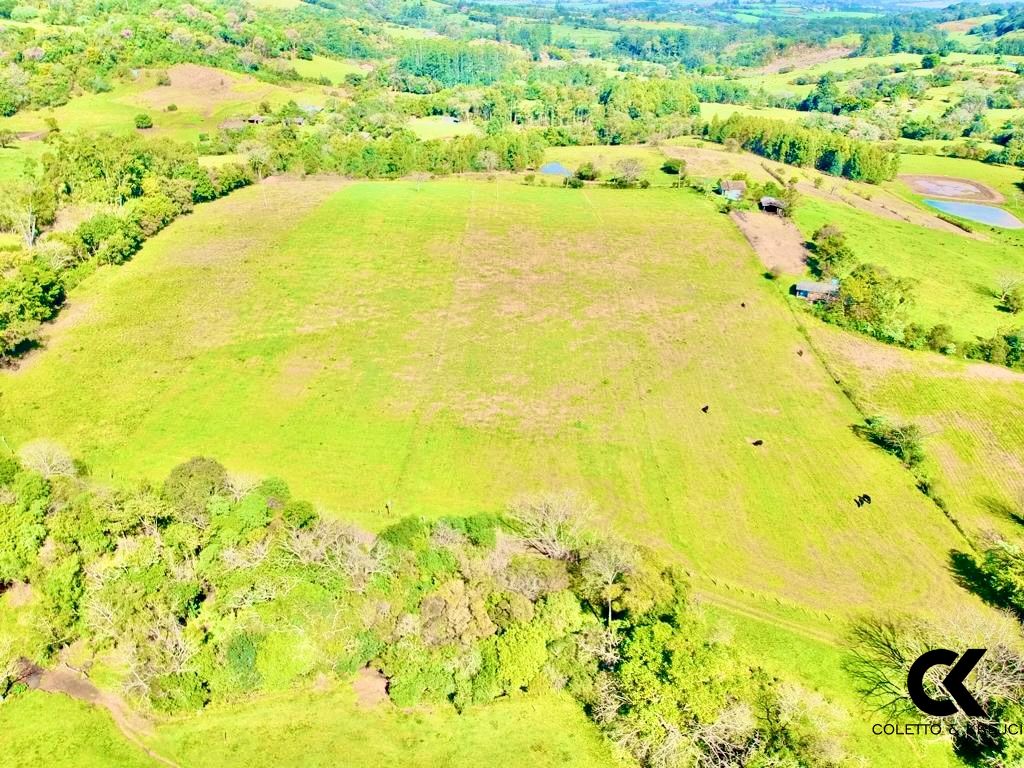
{"type": "Point", "coordinates": [204, 98]}
{"type": "Point", "coordinates": [501, 339]}
{"type": "Point", "coordinates": [972, 415]}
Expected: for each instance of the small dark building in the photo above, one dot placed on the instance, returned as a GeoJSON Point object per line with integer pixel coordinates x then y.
{"type": "Point", "coordinates": [771, 205]}
{"type": "Point", "coordinates": [256, 119]}
{"type": "Point", "coordinates": [812, 291]}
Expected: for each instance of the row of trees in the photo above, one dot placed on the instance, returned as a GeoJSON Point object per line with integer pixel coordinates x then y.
{"type": "Point", "coordinates": [146, 186]}
{"type": "Point", "coordinates": [212, 587]}
{"type": "Point", "coordinates": [808, 147]}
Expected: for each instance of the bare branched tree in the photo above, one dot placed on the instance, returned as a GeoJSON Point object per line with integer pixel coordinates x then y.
{"type": "Point", "coordinates": [550, 524]}
{"type": "Point", "coordinates": [47, 458]}
{"type": "Point", "coordinates": [606, 563]}
{"type": "Point", "coordinates": [728, 741]}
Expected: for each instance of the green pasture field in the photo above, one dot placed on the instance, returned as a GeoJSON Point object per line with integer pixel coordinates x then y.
{"type": "Point", "coordinates": [333, 69]}
{"type": "Point", "coordinates": [205, 98]}
{"type": "Point", "coordinates": [436, 127]}
{"type": "Point", "coordinates": [59, 732]}
{"type": "Point", "coordinates": [501, 339]}
{"type": "Point", "coordinates": [604, 158]}
{"type": "Point", "coordinates": [972, 415]}
{"type": "Point", "coordinates": [722, 111]}
{"type": "Point", "coordinates": [582, 36]}
{"type": "Point", "coordinates": [12, 159]}
{"type": "Point", "coordinates": [309, 729]}
{"type": "Point", "coordinates": [954, 274]}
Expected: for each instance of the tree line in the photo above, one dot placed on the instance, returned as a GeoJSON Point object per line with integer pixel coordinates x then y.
{"type": "Point", "coordinates": [807, 147]}
{"type": "Point", "coordinates": [212, 588]}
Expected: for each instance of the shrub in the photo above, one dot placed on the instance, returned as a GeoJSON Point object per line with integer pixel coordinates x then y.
{"type": "Point", "coordinates": [299, 514]}
{"type": "Point", "coordinates": [587, 172]}
{"type": "Point", "coordinates": [905, 441]}
{"type": "Point", "coordinates": [190, 485]}
{"type": "Point", "coordinates": [143, 121]}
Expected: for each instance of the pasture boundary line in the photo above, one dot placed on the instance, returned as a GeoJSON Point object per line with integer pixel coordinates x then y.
{"type": "Point", "coordinates": [819, 356]}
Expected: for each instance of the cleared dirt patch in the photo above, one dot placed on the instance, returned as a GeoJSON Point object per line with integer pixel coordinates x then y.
{"type": "Point", "coordinates": [952, 188]}
{"type": "Point", "coordinates": [801, 57]}
{"type": "Point", "coordinates": [203, 89]}
{"type": "Point", "coordinates": [777, 241]}
{"type": "Point", "coordinates": [371, 687]}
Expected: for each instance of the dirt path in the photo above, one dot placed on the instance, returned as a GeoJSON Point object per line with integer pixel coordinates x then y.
{"type": "Point", "coordinates": [777, 241]}
{"type": "Point", "coordinates": [65, 680]}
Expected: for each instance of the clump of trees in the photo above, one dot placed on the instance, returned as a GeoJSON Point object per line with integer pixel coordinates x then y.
{"type": "Point", "coordinates": [831, 256]}
{"type": "Point", "coordinates": [813, 148]}
{"type": "Point", "coordinates": [211, 588]}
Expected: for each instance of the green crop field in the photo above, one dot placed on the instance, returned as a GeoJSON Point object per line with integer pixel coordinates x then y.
{"type": "Point", "coordinates": [402, 374]}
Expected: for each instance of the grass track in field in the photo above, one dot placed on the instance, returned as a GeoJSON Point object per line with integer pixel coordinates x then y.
{"type": "Point", "coordinates": [39, 729]}
{"type": "Point", "coordinates": [312, 729]}
{"type": "Point", "coordinates": [500, 339]}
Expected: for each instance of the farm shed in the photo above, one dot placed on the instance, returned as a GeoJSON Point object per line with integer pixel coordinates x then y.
{"type": "Point", "coordinates": [809, 290]}
{"type": "Point", "coordinates": [771, 205]}
{"type": "Point", "coordinates": [732, 189]}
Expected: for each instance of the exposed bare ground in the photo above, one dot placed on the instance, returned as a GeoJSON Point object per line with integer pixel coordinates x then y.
{"type": "Point", "coordinates": [802, 56]}
{"type": "Point", "coordinates": [65, 680]}
{"type": "Point", "coordinates": [371, 687]}
{"type": "Point", "coordinates": [203, 89]}
{"type": "Point", "coordinates": [777, 241]}
{"type": "Point", "coordinates": [18, 594]}
{"type": "Point", "coordinates": [952, 188]}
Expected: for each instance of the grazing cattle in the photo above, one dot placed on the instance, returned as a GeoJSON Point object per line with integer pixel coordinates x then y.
{"type": "Point", "coordinates": [743, 304]}
{"type": "Point", "coordinates": [800, 352]}
{"type": "Point", "coordinates": [705, 409]}
{"type": "Point", "coordinates": [758, 442]}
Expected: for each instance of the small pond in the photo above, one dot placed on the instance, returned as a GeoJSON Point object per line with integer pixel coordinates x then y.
{"type": "Point", "coordinates": [985, 214]}
{"type": "Point", "coordinates": [555, 169]}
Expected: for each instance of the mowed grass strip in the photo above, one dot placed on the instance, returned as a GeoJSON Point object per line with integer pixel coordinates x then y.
{"type": "Point", "coordinates": [395, 348]}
